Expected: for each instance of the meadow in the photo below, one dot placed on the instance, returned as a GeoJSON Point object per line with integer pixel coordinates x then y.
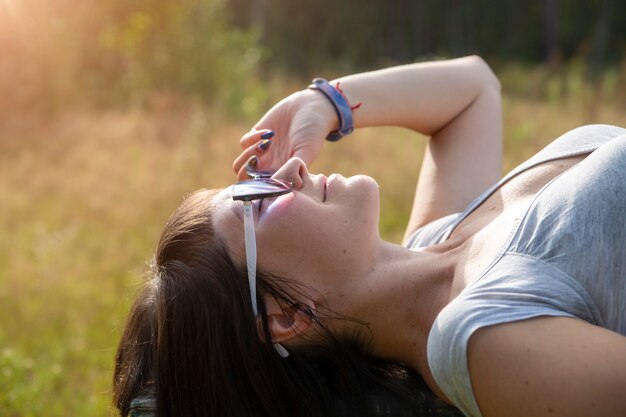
{"type": "Point", "coordinates": [85, 192]}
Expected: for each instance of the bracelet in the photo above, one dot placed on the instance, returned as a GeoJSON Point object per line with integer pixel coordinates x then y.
{"type": "Point", "coordinates": [341, 105]}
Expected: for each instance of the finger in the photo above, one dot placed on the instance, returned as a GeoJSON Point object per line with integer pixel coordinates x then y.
{"type": "Point", "coordinates": [255, 136]}
{"type": "Point", "coordinates": [257, 149]}
{"type": "Point", "coordinates": [251, 170]}
{"type": "Point", "coordinates": [242, 174]}
{"type": "Point", "coordinates": [243, 157]}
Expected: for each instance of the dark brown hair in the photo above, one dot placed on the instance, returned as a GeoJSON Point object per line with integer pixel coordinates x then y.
{"type": "Point", "coordinates": [192, 341]}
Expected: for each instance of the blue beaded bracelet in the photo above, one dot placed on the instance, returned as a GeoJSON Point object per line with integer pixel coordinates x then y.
{"type": "Point", "coordinates": [341, 105]}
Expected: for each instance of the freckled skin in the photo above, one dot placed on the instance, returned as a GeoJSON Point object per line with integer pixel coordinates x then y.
{"type": "Point", "coordinates": [310, 234]}
{"type": "Point", "coordinates": [457, 103]}
{"type": "Point", "coordinates": [278, 205]}
{"type": "Point", "coordinates": [548, 376]}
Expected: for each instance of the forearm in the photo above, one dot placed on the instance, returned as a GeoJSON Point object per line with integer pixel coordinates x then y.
{"type": "Point", "coordinates": [424, 97]}
{"type": "Point", "coordinates": [455, 102]}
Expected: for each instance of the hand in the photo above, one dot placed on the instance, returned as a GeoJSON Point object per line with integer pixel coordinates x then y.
{"type": "Point", "coordinates": [300, 122]}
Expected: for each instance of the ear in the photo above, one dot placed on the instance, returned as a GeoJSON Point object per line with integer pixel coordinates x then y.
{"type": "Point", "coordinates": [286, 323]}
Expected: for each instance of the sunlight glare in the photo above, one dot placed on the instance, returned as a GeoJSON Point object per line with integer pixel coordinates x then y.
{"type": "Point", "coordinates": [9, 9]}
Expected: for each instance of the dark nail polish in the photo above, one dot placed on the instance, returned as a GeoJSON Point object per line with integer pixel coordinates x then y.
{"type": "Point", "coordinates": [264, 144]}
{"type": "Point", "coordinates": [267, 135]}
{"type": "Point", "coordinates": [252, 161]}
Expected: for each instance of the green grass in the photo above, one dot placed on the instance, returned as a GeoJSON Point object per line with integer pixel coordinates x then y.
{"type": "Point", "coordinates": [85, 194]}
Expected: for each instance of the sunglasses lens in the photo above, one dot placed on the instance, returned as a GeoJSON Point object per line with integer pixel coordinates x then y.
{"type": "Point", "coordinates": [260, 188]}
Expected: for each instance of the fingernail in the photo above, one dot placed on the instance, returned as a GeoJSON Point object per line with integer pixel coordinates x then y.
{"type": "Point", "coordinates": [264, 144]}
{"type": "Point", "coordinates": [252, 161]}
{"type": "Point", "coordinates": [267, 135]}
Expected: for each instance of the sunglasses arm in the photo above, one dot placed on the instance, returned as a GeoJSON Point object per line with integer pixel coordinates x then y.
{"type": "Point", "coordinates": [250, 239]}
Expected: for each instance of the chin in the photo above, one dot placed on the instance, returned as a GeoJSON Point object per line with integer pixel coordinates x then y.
{"type": "Point", "coordinates": [368, 188]}
{"type": "Point", "coordinates": [363, 181]}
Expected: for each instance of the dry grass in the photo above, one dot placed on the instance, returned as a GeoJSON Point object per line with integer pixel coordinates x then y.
{"type": "Point", "coordinates": [85, 194]}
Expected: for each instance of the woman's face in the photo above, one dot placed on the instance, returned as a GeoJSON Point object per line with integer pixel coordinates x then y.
{"type": "Point", "coordinates": [326, 229]}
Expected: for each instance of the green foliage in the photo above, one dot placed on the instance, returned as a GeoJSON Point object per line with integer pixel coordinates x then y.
{"type": "Point", "coordinates": [86, 193]}
{"type": "Point", "coordinates": [25, 381]}
{"type": "Point", "coordinates": [187, 47]}
{"type": "Point", "coordinates": [120, 52]}
{"type": "Point", "coordinates": [112, 110]}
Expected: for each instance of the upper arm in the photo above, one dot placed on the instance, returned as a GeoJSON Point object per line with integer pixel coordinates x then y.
{"type": "Point", "coordinates": [463, 157]}
{"type": "Point", "coordinates": [548, 366]}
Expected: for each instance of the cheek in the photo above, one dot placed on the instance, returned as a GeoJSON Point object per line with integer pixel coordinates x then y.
{"type": "Point", "coordinates": [278, 206]}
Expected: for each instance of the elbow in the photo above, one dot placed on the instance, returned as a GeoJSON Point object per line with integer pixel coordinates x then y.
{"type": "Point", "coordinates": [486, 74]}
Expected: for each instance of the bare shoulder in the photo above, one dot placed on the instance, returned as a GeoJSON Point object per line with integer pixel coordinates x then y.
{"type": "Point", "coordinates": [548, 366]}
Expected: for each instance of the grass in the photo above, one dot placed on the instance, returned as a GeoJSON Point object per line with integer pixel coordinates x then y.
{"type": "Point", "coordinates": [85, 194]}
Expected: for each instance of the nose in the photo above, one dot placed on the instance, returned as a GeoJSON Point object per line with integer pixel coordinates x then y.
{"type": "Point", "coordinates": [295, 171]}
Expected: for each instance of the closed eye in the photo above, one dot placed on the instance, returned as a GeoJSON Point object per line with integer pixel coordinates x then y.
{"type": "Point", "coordinates": [264, 202]}
{"type": "Point", "coordinates": [257, 205]}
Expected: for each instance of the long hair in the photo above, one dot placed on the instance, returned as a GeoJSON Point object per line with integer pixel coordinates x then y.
{"type": "Point", "coordinates": [192, 340]}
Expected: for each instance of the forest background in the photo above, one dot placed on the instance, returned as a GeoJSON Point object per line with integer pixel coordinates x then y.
{"type": "Point", "coordinates": [111, 111]}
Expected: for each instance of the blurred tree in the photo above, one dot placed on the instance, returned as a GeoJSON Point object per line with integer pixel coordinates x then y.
{"type": "Point", "coordinates": [313, 34]}
{"type": "Point", "coordinates": [551, 25]}
{"type": "Point", "coordinates": [58, 52]}
{"type": "Point", "coordinates": [601, 33]}
{"type": "Point", "coordinates": [187, 46]}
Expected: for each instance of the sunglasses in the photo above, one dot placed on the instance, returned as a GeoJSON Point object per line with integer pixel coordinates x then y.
{"type": "Point", "coordinates": [257, 188]}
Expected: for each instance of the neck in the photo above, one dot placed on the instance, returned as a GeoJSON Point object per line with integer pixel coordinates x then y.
{"type": "Point", "coordinates": [399, 298]}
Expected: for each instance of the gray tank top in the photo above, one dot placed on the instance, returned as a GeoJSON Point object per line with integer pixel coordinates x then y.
{"type": "Point", "coordinates": [566, 256]}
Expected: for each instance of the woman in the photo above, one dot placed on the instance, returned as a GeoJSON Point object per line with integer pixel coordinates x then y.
{"type": "Point", "coordinates": [512, 303]}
